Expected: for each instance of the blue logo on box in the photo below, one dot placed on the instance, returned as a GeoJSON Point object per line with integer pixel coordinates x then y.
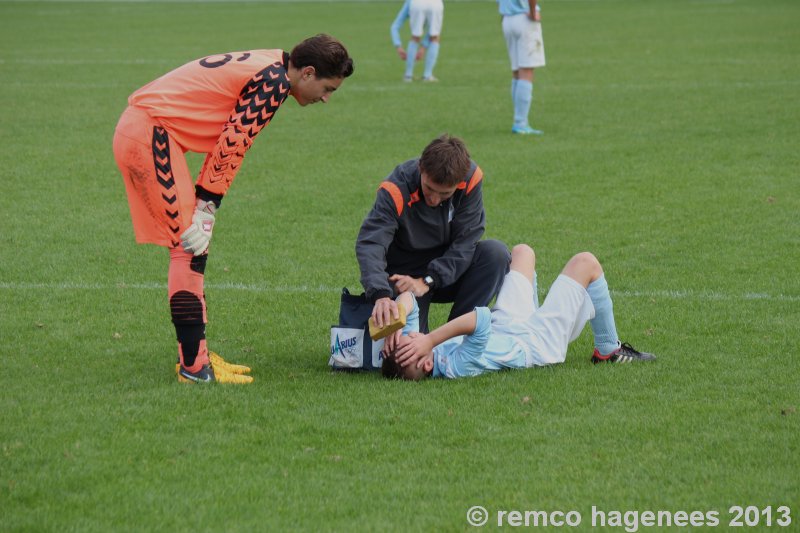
{"type": "Point", "coordinates": [340, 347]}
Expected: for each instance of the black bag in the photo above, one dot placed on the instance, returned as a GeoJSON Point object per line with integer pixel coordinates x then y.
{"type": "Point", "coordinates": [351, 346]}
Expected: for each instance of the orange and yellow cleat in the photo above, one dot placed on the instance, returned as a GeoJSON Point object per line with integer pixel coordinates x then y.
{"type": "Point", "coordinates": [218, 370]}
{"type": "Point", "coordinates": [221, 364]}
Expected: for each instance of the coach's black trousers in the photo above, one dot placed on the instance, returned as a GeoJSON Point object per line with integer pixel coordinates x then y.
{"type": "Point", "coordinates": [476, 287]}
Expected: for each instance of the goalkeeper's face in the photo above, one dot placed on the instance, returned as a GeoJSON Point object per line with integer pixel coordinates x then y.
{"type": "Point", "coordinates": [310, 89]}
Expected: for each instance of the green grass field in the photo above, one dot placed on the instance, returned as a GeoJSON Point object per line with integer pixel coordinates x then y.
{"type": "Point", "coordinates": [670, 150]}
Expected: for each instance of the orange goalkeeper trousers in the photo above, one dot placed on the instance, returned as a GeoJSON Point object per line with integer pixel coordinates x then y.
{"type": "Point", "coordinates": [161, 198]}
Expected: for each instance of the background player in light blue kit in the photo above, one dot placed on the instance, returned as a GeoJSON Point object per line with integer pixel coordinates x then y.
{"type": "Point", "coordinates": [516, 333]}
{"type": "Point", "coordinates": [522, 29]}
{"type": "Point", "coordinates": [421, 13]}
{"type": "Point", "coordinates": [394, 31]}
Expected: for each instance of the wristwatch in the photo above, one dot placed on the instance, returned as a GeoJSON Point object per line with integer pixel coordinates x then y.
{"type": "Point", "coordinates": [428, 280]}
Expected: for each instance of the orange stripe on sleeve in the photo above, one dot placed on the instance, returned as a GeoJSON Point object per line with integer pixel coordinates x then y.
{"type": "Point", "coordinates": [475, 179]}
{"type": "Point", "coordinates": [397, 196]}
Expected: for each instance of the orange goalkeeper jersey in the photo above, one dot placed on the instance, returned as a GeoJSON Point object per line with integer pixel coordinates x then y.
{"type": "Point", "coordinates": [217, 105]}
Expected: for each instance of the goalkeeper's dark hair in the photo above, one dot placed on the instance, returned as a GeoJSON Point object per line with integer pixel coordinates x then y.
{"type": "Point", "coordinates": [326, 54]}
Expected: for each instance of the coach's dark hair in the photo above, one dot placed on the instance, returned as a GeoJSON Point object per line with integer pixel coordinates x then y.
{"type": "Point", "coordinates": [326, 54]}
{"type": "Point", "coordinates": [445, 160]}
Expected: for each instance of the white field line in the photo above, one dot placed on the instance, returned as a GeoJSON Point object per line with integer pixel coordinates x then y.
{"type": "Point", "coordinates": [245, 287]}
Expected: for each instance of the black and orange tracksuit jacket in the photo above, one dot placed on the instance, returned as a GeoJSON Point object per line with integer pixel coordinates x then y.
{"type": "Point", "coordinates": [403, 235]}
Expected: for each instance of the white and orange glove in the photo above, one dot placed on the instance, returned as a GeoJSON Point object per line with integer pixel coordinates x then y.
{"type": "Point", "coordinates": [197, 236]}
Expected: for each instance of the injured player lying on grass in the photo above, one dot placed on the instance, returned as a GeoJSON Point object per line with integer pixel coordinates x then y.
{"type": "Point", "coordinates": [516, 333]}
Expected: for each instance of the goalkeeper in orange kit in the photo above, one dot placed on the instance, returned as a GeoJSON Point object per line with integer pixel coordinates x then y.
{"type": "Point", "coordinates": [215, 105]}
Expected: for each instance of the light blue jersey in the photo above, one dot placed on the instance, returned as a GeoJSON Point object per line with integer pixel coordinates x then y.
{"type": "Point", "coordinates": [482, 351]}
{"type": "Point", "coordinates": [402, 16]}
{"type": "Point", "coordinates": [515, 7]}
{"type": "Point", "coordinates": [470, 355]}
{"type": "Point", "coordinates": [412, 318]}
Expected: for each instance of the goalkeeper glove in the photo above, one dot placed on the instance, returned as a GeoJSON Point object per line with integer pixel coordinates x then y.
{"type": "Point", "coordinates": [197, 236]}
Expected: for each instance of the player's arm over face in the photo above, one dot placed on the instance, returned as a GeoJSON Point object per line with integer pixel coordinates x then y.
{"type": "Point", "coordinates": [412, 350]}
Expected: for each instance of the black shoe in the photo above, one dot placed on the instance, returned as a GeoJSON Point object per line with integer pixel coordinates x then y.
{"type": "Point", "coordinates": [624, 354]}
{"type": "Point", "coordinates": [204, 375]}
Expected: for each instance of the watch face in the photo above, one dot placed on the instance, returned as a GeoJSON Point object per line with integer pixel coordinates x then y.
{"type": "Point", "coordinates": [428, 280]}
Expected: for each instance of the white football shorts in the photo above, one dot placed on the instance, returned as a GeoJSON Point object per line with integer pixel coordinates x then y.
{"type": "Point", "coordinates": [524, 41]}
{"type": "Point", "coordinates": [515, 302]}
{"type": "Point", "coordinates": [422, 11]}
{"type": "Point", "coordinates": [546, 332]}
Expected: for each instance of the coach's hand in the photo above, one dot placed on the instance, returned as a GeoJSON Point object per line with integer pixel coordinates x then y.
{"type": "Point", "coordinates": [404, 283]}
{"type": "Point", "coordinates": [196, 238]}
{"type": "Point", "coordinates": [384, 310]}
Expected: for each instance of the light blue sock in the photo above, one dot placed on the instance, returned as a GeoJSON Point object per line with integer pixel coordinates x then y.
{"type": "Point", "coordinates": [411, 58]}
{"type": "Point", "coordinates": [523, 95]}
{"type": "Point", "coordinates": [430, 59]}
{"type": "Point", "coordinates": [603, 326]}
{"type": "Point", "coordinates": [513, 88]}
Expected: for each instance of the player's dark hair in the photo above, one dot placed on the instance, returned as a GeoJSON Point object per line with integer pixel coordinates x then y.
{"type": "Point", "coordinates": [445, 160]}
{"type": "Point", "coordinates": [326, 54]}
{"type": "Point", "coordinates": [390, 369]}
